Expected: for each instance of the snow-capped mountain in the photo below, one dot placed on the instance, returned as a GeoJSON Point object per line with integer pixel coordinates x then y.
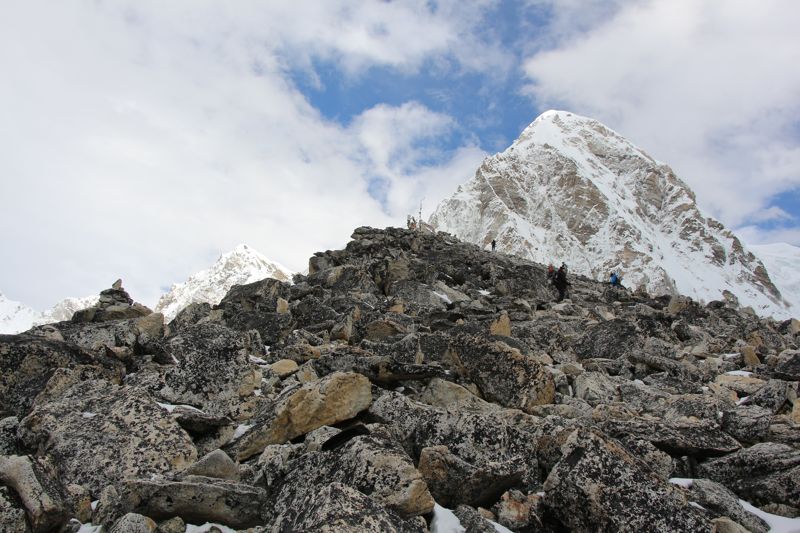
{"type": "Point", "coordinates": [240, 266]}
{"type": "Point", "coordinates": [16, 317]}
{"type": "Point", "coordinates": [570, 189]}
{"type": "Point", "coordinates": [782, 261]}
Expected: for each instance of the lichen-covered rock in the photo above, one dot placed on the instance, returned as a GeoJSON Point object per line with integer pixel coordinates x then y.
{"type": "Point", "coordinates": [598, 486]}
{"type": "Point", "coordinates": [332, 399]}
{"type": "Point", "coordinates": [788, 365]}
{"type": "Point", "coordinates": [98, 434]}
{"type": "Point", "coordinates": [502, 373]}
{"type": "Point", "coordinates": [608, 340]}
{"type": "Point", "coordinates": [597, 388]}
{"type": "Point", "coordinates": [701, 438]}
{"type": "Point", "coordinates": [747, 423]}
{"type": "Point", "coordinates": [27, 362]}
{"type": "Point", "coordinates": [370, 464]}
{"type": "Point", "coordinates": [8, 436]}
{"type": "Point", "coordinates": [211, 369]}
{"type": "Point", "coordinates": [196, 500]}
{"type": "Point", "coordinates": [764, 473]}
{"type": "Point", "coordinates": [12, 516]}
{"type": "Point", "coordinates": [478, 438]}
{"type": "Point", "coordinates": [449, 395]}
{"type": "Point", "coordinates": [35, 482]}
{"type": "Point", "coordinates": [453, 481]}
{"type": "Point", "coordinates": [339, 508]}
{"type": "Point", "coordinates": [722, 502]}
{"type": "Point", "coordinates": [520, 512]}
{"type": "Point", "coordinates": [134, 523]}
{"type": "Point", "coordinates": [472, 521]}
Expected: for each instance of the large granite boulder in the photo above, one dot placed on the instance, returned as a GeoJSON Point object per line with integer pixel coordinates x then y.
{"type": "Point", "coordinates": [334, 398]}
{"type": "Point", "coordinates": [599, 486]}
{"type": "Point", "coordinates": [12, 514]}
{"type": "Point", "coordinates": [609, 340]}
{"type": "Point", "coordinates": [196, 500]}
{"type": "Point", "coordinates": [368, 463]}
{"type": "Point", "coordinates": [211, 368]}
{"type": "Point", "coordinates": [36, 483]}
{"type": "Point", "coordinates": [98, 433]}
{"type": "Point", "coordinates": [502, 373]}
{"type": "Point", "coordinates": [28, 362]}
{"type": "Point", "coordinates": [764, 473]}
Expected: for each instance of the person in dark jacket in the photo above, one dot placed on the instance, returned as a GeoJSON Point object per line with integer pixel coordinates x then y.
{"type": "Point", "coordinates": [561, 282]}
{"type": "Point", "coordinates": [494, 244]}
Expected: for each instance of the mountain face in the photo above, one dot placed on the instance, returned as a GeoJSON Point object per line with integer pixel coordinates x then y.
{"type": "Point", "coordinates": [572, 190]}
{"type": "Point", "coordinates": [781, 260]}
{"type": "Point", "coordinates": [16, 317]}
{"type": "Point", "coordinates": [240, 266]}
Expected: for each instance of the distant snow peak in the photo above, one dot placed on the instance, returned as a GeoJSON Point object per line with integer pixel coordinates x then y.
{"type": "Point", "coordinates": [16, 317]}
{"type": "Point", "coordinates": [240, 266]}
{"type": "Point", "coordinates": [571, 189]}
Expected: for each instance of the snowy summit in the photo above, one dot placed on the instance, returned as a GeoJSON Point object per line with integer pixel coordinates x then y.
{"type": "Point", "coordinates": [240, 266]}
{"type": "Point", "coordinates": [571, 190]}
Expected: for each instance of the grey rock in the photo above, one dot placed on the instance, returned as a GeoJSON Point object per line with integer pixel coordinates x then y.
{"type": "Point", "coordinates": [772, 395]}
{"type": "Point", "coordinates": [211, 369]}
{"type": "Point", "coordinates": [722, 502]}
{"type": "Point", "coordinates": [472, 521]}
{"type": "Point", "coordinates": [95, 433]}
{"type": "Point", "coordinates": [28, 362]}
{"type": "Point", "coordinates": [677, 437]}
{"type": "Point", "coordinates": [35, 482]}
{"type": "Point", "coordinates": [216, 464]}
{"type": "Point", "coordinates": [502, 373]}
{"type": "Point", "coordinates": [609, 340]}
{"type": "Point", "coordinates": [337, 507]}
{"type": "Point", "coordinates": [453, 481]}
{"type": "Point", "coordinates": [597, 388]}
{"type": "Point", "coordinates": [747, 423]}
{"type": "Point", "coordinates": [133, 523]}
{"type": "Point", "coordinates": [367, 463]}
{"type": "Point", "coordinates": [8, 436]}
{"type": "Point", "coordinates": [598, 486]}
{"type": "Point", "coordinates": [196, 500]}
{"type": "Point", "coordinates": [12, 515]}
{"type": "Point", "coordinates": [788, 365]}
{"type": "Point", "coordinates": [764, 473]}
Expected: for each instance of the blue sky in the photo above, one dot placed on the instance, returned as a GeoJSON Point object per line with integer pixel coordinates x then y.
{"type": "Point", "coordinates": [141, 139]}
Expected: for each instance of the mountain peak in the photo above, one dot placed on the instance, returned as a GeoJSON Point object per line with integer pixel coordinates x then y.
{"type": "Point", "coordinates": [239, 266]}
{"type": "Point", "coordinates": [571, 189]}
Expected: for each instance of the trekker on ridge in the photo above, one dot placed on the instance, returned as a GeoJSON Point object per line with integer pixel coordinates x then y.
{"type": "Point", "coordinates": [561, 282]}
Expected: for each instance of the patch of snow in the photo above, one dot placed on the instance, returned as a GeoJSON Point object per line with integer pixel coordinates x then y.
{"type": "Point", "coordinates": [445, 521]}
{"type": "Point", "coordinates": [743, 373]}
{"type": "Point", "coordinates": [169, 407]}
{"type": "Point", "coordinates": [241, 430]}
{"type": "Point", "coordinates": [484, 292]}
{"type": "Point", "coordinates": [730, 355]}
{"type": "Point", "coordinates": [638, 382]}
{"type": "Point", "coordinates": [500, 528]}
{"type": "Point", "coordinates": [89, 528]}
{"type": "Point", "coordinates": [744, 400]}
{"type": "Point", "coordinates": [695, 504]}
{"type": "Point", "coordinates": [684, 482]}
{"type": "Point", "coordinates": [257, 360]}
{"type": "Point", "coordinates": [443, 296]}
{"type": "Point", "coordinates": [175, 360]}
{"type": "Point", "coordinates": [257, 392]}
{"type": "Point", "coordinates": [87, 414]}
{"type": "Point", "coordinates": [94, 505]}
{"type": "Point", "coordinates": [205, 528]}
{"type": "Point", "coordinates": [777, 524]}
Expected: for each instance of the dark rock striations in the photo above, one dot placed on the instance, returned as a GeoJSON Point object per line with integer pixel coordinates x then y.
{"type": "Point", "coordinates": [405, 370]}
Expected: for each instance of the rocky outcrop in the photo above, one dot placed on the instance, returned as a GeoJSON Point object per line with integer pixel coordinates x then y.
{"type": "Point", "coordinates": [114, 304]}
{"type": "Point", "coordinates": [598, 485]}
{"type": "Point", "coordinates": [99, 434]}
{"type": "Point", "coordinates": [407, 369]}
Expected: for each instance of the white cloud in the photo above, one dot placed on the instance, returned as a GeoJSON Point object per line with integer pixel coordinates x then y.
{"type": "Point", "coordinates": [140, 140]}
{"type": "Point", "coordinates": [709, 87]}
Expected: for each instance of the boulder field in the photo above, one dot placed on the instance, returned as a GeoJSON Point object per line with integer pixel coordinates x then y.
{"type": "Point", "coordinates": [407, 370]}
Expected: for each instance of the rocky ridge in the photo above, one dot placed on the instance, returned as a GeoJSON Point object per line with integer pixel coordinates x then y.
{"type": "Point", "coordinates": [571, 189]}
{"type": "Point", "coordinates": [406, 370]}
